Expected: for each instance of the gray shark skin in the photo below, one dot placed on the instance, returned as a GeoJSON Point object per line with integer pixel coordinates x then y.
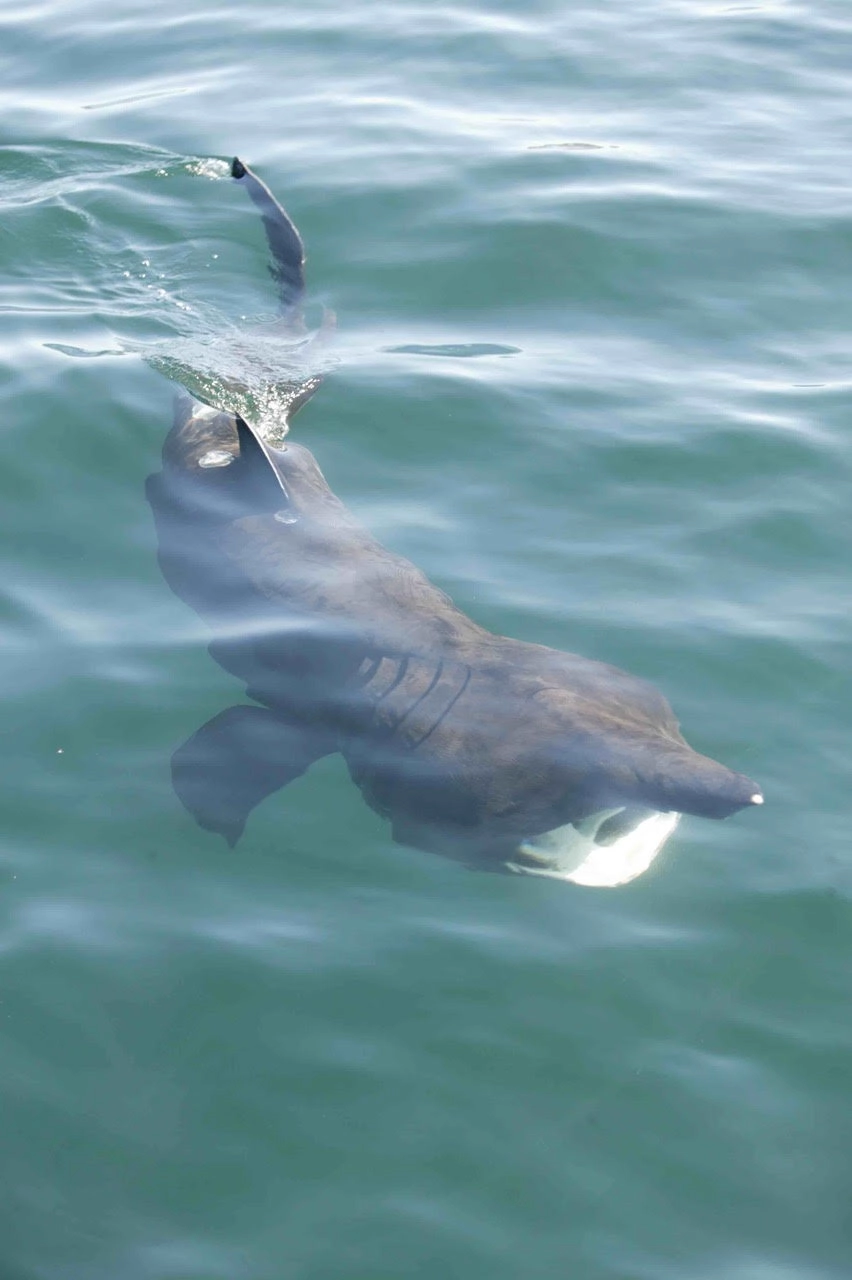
{"type": "Point", "coordinates": [470, 743]}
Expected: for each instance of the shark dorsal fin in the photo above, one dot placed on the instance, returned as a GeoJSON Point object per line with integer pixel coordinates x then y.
{"type": "Point", "coordinates": [259, 459]}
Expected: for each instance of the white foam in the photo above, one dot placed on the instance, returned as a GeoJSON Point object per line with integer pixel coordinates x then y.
{"type": "Point", "coordinates": [208, 167]}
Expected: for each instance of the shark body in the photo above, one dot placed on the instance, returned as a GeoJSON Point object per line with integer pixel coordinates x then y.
{"type": "Point", "coordinates": [497, 752]}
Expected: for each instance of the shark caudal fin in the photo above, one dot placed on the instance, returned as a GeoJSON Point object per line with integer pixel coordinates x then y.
{"type": "Point", "coordinates": [288, 271]}
{"type": "Point", "coordinates": [285, 243]}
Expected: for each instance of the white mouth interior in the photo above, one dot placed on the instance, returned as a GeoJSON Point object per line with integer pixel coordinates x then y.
{"type": "Point", "coordinates": [573, 853]}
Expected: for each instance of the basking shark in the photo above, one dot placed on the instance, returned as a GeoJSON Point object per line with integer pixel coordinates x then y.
{"type": "Point", "coordinates": [496, 752]}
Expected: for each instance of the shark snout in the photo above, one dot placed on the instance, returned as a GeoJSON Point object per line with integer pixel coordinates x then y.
{"type": "Point", "coordinates": [691, 783]}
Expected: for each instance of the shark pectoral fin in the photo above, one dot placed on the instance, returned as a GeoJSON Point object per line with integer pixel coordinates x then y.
{"type": "Point", "coordinates": [238, 759]}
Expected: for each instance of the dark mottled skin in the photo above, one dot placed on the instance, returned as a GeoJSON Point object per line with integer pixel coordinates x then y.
{"type": "Point", "coordinates": [467, 741]}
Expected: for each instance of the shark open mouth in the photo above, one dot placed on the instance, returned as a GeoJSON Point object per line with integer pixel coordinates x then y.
{"type": "Point", "coordinates": [607, 849]}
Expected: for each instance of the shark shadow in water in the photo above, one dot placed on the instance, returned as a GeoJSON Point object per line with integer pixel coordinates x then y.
{"type": "Point", "coordinates": [496, 752]}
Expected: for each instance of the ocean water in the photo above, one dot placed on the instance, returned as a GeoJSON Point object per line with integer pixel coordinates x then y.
{"type": "Point", "coordinates": [592, 266]}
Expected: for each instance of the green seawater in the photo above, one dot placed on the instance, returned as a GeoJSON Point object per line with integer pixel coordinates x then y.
{"type": "Point", "coordinates": [592, 266]}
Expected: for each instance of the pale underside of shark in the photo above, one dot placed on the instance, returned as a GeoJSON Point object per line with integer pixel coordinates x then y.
{"type": "Point", "coordinates": [502, 754]}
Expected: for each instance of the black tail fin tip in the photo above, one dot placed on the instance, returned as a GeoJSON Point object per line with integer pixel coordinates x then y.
{"type": "Point", "coordinates": [238, 169]}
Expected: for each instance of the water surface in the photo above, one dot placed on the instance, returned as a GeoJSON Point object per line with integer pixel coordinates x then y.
{"type": "Point", "coordinates": [592, 273]}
